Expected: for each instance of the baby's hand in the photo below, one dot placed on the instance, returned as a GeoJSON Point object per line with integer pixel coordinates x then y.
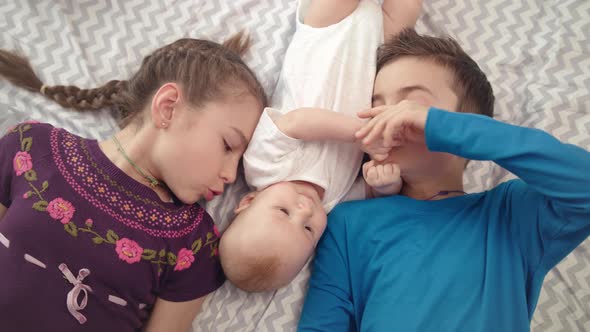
{"type": "Point", "coordinates": [376, 150]}
{"type": "Point", "coordinates": [384, 179]}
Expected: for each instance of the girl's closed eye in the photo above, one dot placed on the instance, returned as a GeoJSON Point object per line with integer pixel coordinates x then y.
{"type": "Point", "coordinates": [285, 211]}
{"type": "Point", "coordinates": [227, 147]}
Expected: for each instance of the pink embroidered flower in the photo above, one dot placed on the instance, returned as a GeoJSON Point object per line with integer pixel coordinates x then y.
{"type": "Point", "coordinates": [128, 250]}
{"type": "Point", "coordinates": [89, 222]}
{"type": "Point", "coordinates": [26, 195]}
{"type": "Point", "coordinates": [216, 230]}
{"type": "Point", "coordinates": [22, 162]}
{"type": "Point", "coordinates": [184, 260]}
{"type": "Point", "coordinates": [61, 209]}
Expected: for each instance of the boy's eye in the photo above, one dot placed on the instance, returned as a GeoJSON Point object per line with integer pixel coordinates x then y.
{"type": "Point", "coordinates": [284, 211]}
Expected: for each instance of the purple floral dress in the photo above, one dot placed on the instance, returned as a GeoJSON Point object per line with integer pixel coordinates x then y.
{"type": "Point", "coordinates": [84, 247]}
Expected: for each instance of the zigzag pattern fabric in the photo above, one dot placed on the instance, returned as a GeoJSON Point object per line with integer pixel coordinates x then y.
{"type": "Point", "coordinates": [536, 54]}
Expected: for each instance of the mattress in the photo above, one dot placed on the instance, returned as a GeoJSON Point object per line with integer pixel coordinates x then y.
{"type": "Point", "coordinates": [536, 54]}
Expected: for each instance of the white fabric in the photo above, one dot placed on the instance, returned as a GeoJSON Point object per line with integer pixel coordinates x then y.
{"type": "Point", "coordinates": [331, 68]}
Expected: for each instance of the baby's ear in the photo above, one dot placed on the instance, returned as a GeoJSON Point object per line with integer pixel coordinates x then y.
{"type": "Point", "coordinates": [245, 202]}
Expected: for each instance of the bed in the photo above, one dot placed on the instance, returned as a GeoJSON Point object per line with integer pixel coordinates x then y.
{"type": "Point", "coordinates": [536, 54]}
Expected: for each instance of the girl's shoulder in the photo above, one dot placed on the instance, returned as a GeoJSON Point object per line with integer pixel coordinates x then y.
{"type": "Point", "coordinates": [30, 138]}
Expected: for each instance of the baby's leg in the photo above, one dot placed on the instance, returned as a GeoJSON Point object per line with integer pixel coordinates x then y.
{"type": "Point", "coordinates": [322, 13]}
{"type": "Point", "coordinates": [399, 14]}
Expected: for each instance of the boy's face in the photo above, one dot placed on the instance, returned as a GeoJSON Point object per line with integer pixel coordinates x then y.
{"type": "Point", "coordinates": [425, 82]}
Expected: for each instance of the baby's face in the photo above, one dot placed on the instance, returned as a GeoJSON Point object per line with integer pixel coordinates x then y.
{"type": "Point", "coordinates": [285, 220]}
{"type": "Point", "coordinates": [292, 210]}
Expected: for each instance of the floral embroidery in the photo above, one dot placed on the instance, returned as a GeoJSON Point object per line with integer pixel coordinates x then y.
{"type": "Point", "coordinates": [22, 162]}
{"type": "Point", "coordinates": [61, 209]}
{"type": "Point", "coordinates": [185, 259]}
{"type": "Point", "coordinates": [128, 250]}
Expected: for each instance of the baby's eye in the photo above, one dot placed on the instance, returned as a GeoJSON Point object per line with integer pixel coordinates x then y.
{"type": "Point", "coordinates": [284, 211]}
{"type": "Point", "coordinates": [309, 229]}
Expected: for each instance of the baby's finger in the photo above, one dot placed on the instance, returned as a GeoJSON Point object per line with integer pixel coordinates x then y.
{"type": "Point", "coordinates": [388, 171]}
{"type": "Point", "coordinates": [380, 156]}
{"type": "Point", "coordinates": [371, 174]}
{"type": "Point", "coordinates": [380, 174]}
{"type": "Point", "coordinates": [366, 167]}
{"type": "Point", "coordinates": [396, 170]}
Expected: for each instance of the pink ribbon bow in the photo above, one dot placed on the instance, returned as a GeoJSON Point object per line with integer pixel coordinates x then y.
{"type": "Point", "coordinates": [72, 300]}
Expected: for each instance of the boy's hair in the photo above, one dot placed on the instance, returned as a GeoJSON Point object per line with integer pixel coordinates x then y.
{"type": "Point", "coordinates": [471, 85]}
{"type": "Point", "coordinates": [205, 70]}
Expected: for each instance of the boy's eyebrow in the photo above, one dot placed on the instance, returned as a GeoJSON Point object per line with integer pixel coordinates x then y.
{"type": "Point", "coordinates": [241, 135]}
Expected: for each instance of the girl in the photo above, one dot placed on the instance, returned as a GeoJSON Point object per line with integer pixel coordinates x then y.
{"type": "Point", "coordinates": [96, 235]}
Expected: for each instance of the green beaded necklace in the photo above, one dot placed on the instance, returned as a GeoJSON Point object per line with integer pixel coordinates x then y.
{"type": "Point", "coordinates": [153, 181]}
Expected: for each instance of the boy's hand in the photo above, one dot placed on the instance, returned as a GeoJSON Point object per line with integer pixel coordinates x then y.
{"type": "Point", "coordinates": [384, 179]}
{"type": "Point", "coordinates": [393, 125]}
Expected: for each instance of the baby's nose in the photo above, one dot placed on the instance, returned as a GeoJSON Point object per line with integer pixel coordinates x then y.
{"type": "Point", "coordinates": [305, 205]}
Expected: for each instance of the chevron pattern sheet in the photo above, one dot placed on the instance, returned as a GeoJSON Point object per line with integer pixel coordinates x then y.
{"type": "Point", "coordinates": [536, 54]}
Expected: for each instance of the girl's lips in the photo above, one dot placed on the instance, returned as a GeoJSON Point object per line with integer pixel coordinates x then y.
{"type": "Point", "coordinates": [209, 195]}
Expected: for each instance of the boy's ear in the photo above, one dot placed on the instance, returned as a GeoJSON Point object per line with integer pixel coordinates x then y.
{"type": "Point", "coordinates": [245, 202]}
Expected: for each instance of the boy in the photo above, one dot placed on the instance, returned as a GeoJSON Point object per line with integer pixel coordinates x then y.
{"type": "Point", "coordinates": [434, 258]}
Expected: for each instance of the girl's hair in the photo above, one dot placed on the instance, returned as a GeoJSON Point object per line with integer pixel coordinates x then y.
{"type": "Point", "coordinates": [205, 70]}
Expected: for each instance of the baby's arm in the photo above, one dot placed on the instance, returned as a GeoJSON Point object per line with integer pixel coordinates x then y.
{"type": "Point", "coordinates": [383, 179]}
{"type": "Point", "coordinates": [399, 14]}
{"type": "Point", "coordinates": [316, 124]}
{"type": "Point", "coordinates": [322, 13]}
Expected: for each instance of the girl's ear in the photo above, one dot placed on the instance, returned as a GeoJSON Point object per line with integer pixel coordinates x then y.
{"type": "Point", "coordinates": [245, 202]}
{"type": "Point", "coordinates": [164, 104]}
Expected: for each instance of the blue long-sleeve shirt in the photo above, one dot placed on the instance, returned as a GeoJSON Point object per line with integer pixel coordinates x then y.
{"type": "Point", "coordinates": [469, 263]}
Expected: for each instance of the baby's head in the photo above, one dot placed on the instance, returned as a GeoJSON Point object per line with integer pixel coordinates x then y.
{"type": "Point", "coordinates": [272, 236]}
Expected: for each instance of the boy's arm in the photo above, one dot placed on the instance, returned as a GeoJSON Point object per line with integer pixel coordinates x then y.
{"type": "Point", "coordinates": [547, 213]}
{"type": "Point", "coordinates": [549, 210]}
{"type": "Point", "coordinates": [322, 13]}
{"type": "Point", "coordinates": [399, 14]}
{"type": "Point", "coordinates": [315, 124]}
{"type": "Point", "coordinates": [328, 304]}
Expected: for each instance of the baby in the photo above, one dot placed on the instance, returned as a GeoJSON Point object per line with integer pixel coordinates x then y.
{"type": "Point", "coordinates": [303, 158]}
